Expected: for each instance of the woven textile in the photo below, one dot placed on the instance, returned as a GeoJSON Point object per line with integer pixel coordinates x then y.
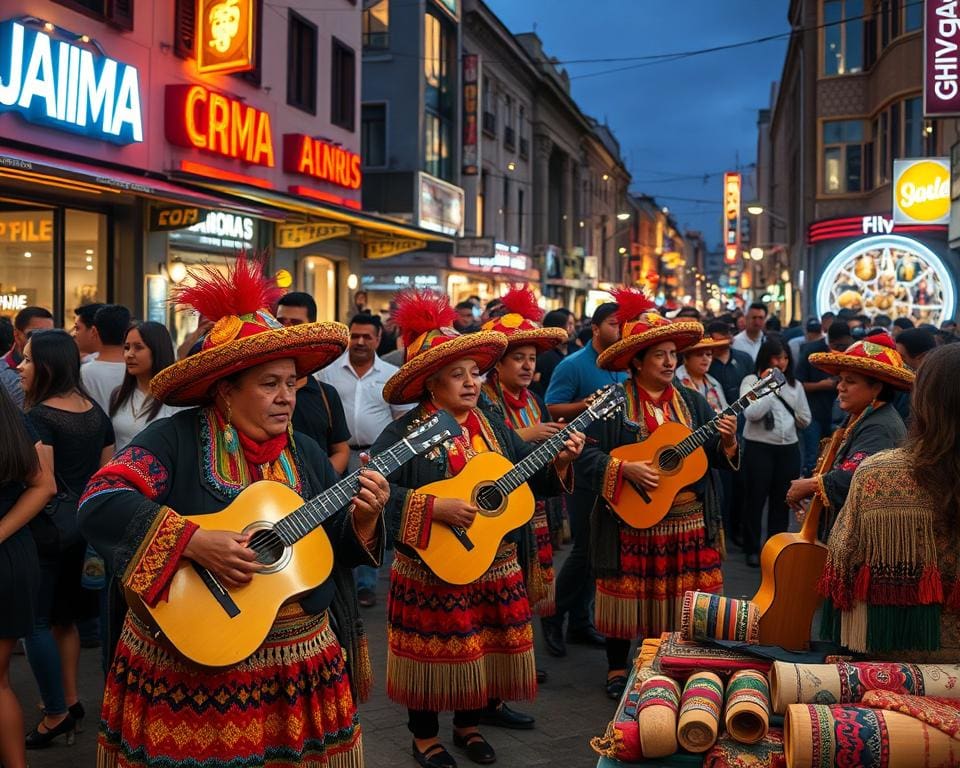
{"type": "Point", "coordinates": [847, 682]}
{"type": "Point", "coordinates": [712, 617]}
{"type": "Point", "coordinates": [700, 708]}
{"type": "Point", "coordinates": [822, 736]}
{"type": "Point", "coordinates": [766, 753]}
{"type": "Point", "coordinates": [747, 716]}
{"type": "Point", "coordinates": [621, 740]}
{"type": "Point", "coordinates": [287, 705]}
{"type": "Point", "coordinates": [942, 714]}
{"type": "Point", "coordinates": [657, 707]}
{"type": "Point", "coordinates": [679, 658]}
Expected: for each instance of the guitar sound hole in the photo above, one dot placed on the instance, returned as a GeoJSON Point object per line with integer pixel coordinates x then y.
{"type": "Point", "coordinates": [670, 459]}
{"type": "Point", "coordinates": [489, 498]}
{"type": "Point", "coordinates": [267, 545]}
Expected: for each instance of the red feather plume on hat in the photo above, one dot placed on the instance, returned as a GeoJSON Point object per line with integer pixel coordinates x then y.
{"type": "Point", "coordinates": [242, 291]}
{"type": "Point", "coordinates": [521, 300]}
{"type": "Point", "coordinates": [419, 311]}
{"type": "Point", "coordinates": [633, 302]}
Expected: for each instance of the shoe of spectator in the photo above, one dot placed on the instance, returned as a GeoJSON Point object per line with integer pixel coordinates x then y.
{"type": "Point", "coordinates": [366, 597]}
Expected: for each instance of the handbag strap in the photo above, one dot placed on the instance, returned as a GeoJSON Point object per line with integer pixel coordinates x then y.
{"type": "Point", "coordinates": [786, 405]}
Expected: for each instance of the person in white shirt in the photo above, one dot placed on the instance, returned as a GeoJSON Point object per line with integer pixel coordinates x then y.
{"type": "Point", "coordinates": [147, 350]}
{"type": "Point", "coordinates": [103, 375]}
{"type": "Point", "coordinates": [751, 337]}
{"type": "Point", "coordinates": [771, 448]}
{"type": "Point", "coordinates": [84, 334]}
{"type": "Point", "coordinates": [358, 375]}
{"type": "Point", "coordinates": [813, 331]}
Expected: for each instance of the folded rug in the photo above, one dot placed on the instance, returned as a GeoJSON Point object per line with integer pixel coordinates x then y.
{"type": "Point", "coordinates": [711, 617]}
{"type": "Point", "coordinates": [847, 682]}
{"type": "Point", "coordinates": [747, 716]}
{"type": "Point", "coordinates": [700, 708]}
{"type": "Point", "coordinates": [818, 735]}
{"type": "Point", "coordinates": [679, 658]}
{"type": "Point", "coordinates": [766, 753]}
{"type": "Point", "coordinates": [657, 716]}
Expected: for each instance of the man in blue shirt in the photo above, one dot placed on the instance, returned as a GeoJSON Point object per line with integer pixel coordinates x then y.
{"type": "Point", "coordinates": [574, 382]}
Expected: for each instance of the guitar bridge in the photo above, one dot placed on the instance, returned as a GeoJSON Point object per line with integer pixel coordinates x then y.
{"type": "Point", "coordinates": [217, 590]}
{"type": "Point", "coordinates": [462, 537]}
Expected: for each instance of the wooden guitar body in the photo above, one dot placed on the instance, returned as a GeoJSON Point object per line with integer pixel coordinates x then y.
{"type": "Point", "coordinates": [207, 633]}
{"type": "Point", "coordinates": [676, 473]}
{"type": "Point", "coordinates": [787, 598]}
{"type": "Point", "coordinates": [448, 555]}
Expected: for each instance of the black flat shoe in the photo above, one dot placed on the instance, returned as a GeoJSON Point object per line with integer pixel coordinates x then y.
{"type": "Point", "coordinates": [503, 717]}
{"type": "Point", "coordinates": [38, 739]}
{"type": "Point", "coordinates": [478, 748]}
{"type": "Point", "coordinates": [553, 638]}
{"type": "Point", "coordinates": [541, 676]}
{"type": "Point", "coordinates": [616, 685]}
{"type": "Point", "coordinates": [435, 756]}
{"type": "Point", "coordinates": [586, 636]}
{"type": "Point", "coordinates": [77, 712]}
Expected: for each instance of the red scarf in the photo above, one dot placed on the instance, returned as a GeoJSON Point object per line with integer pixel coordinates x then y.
{"type": "Point", "coordinates": [664, 403]}
{"type": "Point", "coordinates": [515, 403]}
{"type": "Point", "coordinates": [265, 452]}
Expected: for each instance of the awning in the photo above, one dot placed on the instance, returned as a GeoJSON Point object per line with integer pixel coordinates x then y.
{"type": "Point", "coordinates": [33, 168]}
{"type": "Point", "coordinates": [373, 230]}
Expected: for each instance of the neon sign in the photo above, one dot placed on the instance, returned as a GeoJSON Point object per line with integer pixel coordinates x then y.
{"type": "Point", "coordinates": [224, 36]}
{"type": "Point", "coordinates": [322, 160]}
{"type": "Point", "coordinates": [67, 86]}
{"type": "Point", "coordinates": [199, 118]}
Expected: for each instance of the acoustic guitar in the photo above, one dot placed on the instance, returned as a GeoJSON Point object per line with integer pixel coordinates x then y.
{"type": "Point", "coordinates": [677, 452]}
{"type": "Point", "coordinates": [791, 565]}
{"type": "Point", "coordinates": [214, 625]}
{"type": "Point", "coordinates": [499, 489]}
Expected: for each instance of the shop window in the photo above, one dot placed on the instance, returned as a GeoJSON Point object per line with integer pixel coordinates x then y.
{"type": "Point", "coordinates": [343, 90]}
{"type": "Point", "coordinates": [318, 276]}
{"type": "Point", "coordinates": [373, 135]}
{"type": "Point", "coordinates": [85, 259]}
{"type": "Point", "coordinates": [376, 25]}
{"type": "Point", "coordinates": [843, 151]}
{"type": "Point", "coordinates": [913, 136]}
{"type": "Point", "coordinates": [439, 93]}
{"type": "Point", "coordinates": [302, 64]}
{"type": "Point", "coordinates": [505, 211]}
{"type": "Point", "coordinates": [900, 131]}
{"type": "Point", "coordinates": [26, 259]}
{"type": "Point", "coordinates": [509, 132]}
{"type": "Point", "coordinates": [489, 108]}
{"type": "Point", "coordinates": [117, 13]}
{"type": "Point", "coordinates": [912, 16]}
{"type": "Point", "coordinates": [842, 37]}
{"type": "Point", "coordinates": [522, 132]}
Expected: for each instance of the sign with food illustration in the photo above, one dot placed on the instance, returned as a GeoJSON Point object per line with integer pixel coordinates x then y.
{"type": "Point", "coordinates": [921, 191]}
{"type": "Point", "coordinates": [889, 274]}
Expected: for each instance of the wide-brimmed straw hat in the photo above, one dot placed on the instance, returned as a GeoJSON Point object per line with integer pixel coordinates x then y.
{"type": "Point", "coordinates": [425, 320]}
{"type": "Point", "coordinates": [520, 322]}
{"type": "Point", "coordinates": [641, 326]}
{"type": "Point", "coordinates": [245, 333]}
{"type": "Point", "coordinates": [708, 342]}
{"type": "Point", "coordinates": [876, 357]}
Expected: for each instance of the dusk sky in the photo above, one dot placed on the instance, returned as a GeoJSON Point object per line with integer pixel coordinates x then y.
{"type": "Point", "coordinates": [683, 118]}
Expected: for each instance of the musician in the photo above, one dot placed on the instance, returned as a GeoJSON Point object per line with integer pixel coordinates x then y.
{"type": "Point", "coordinates": [694, 371]}
{"type": "Point", "coordinates": [453, 647]}
{"type": "Point", "coordinates": [291, 701]}
{"type": "Point", "coordinates": [892, 579]}
{"type": "Point", "coordinates": [870, 372]}
{"type": "Point", "coordinates": [643, 574]}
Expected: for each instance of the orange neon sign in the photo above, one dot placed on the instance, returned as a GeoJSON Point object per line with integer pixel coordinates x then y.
{"type": "Point", "coordinates": [319, 159]}
{"type": "Point", "coordinates": [199, 118]}
{"type": "Point", "coordinates": [225, 36]}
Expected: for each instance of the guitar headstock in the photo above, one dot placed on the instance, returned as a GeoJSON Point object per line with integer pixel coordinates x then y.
{"type": "Point", "coordinates": [770, 383]}
{"type": "Point", "coordinates": [607, 401]}
{"type": "Point", "coordinates": [441, 426]}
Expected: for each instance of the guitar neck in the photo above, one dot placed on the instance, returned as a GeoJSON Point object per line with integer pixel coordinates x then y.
{"type": "Point", "coordinates": [543, 454]}
{"type": "Point", "coordinates": [314, 512]}
{"type": "Point", "coordinates": [699, 436]}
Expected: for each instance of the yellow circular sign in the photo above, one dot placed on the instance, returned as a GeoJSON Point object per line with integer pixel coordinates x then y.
{"type": "Point", "coordinates": [923, 192]}
{"type": "Point", "coordinates": [284, 278]}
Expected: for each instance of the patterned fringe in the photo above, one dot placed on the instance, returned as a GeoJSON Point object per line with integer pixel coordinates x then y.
{"type": "Point", "coordinates": [363, 669]}
{"type": "Point", "coordinates": [437, 687]}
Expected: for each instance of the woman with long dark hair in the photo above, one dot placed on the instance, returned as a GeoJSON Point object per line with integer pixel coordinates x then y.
{"type": "Point", "coordinates": [771, 447]}
{"type": "Point", "coordinates": [892, 579]}
{"type": "Point", "coordinates": [147, 350]}
{"type": "Point", "coordinates": [25, 487]}
{"type": "Point", "coordinates": [76, 439]}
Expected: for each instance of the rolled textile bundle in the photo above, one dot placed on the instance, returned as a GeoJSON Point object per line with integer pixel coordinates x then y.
{"type": "Point", "coordinates": [657, 716]}
{"type": "Point", "coordinates": [847, 682]}
{"type": "Point", "coordinates": [700, 708]}
{"type": "Point", "coordinates": [621, 740]}
{"type": "Point", "coordinates": [766, 753]}
{"type": "Point", "coordinates": [747, 716]}
{"type": "Point", "coordinates": [706, 616]}
{"type": "Point", "coordinates": [816, 735]}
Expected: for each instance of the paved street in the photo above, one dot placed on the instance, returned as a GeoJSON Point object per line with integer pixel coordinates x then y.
{"type": "Point", "coordinates": [571, 708]}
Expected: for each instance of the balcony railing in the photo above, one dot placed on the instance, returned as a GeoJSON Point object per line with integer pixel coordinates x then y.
{"type": "Point", "coordinates": [490, 123]}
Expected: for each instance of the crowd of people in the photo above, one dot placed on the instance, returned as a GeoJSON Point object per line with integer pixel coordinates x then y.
{"type": "Point", "coordinates": [116, 439]}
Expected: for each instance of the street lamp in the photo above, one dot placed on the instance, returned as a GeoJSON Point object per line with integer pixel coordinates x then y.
{"type": "Point", "coordinates": [756, 208]}
{"type": "Point", "coordinates": [623, 216]}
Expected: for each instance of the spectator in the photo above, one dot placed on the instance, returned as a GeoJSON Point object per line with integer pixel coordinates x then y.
{"type": "Point", "coordinates": [102, 376]}
{"type": "Point", "coordinates": [826, 320]}
{"type": "Point", "coordinates": [147, 350]}
{"type": "Point", "coordinates": [9, 378]}
{"type": "Point", "coordinates": [28, 319]}
{"type": "Point", "coordinates": [772, 325]}
{"type": "Point", "coordinates": [26, 486]}
{"type": "Point", "coordinates": [318, 411]}
{"type": "Point", "coordinates": [949, 326]}
{"type": "Point", "coordinates": [883, 321]}
{"type": "Point", "coordinates": [77, 440]}
{"type": "Point", "coordinates": [549, 360]}
{"type": "Point", "coordinates": [358, 376]}
{"type": "Point", "coordinates": [751, 337]}
{"type": "Point", "coordinates": [360, 303]}
{"type": "Point", "coordinates": [84, 333]}
{"type": "Point", "coordinates": [913, 344]}
{"type": "Point", "coordinates": [466, 321]}
{"type": "Point", "coordinates": [813, 331]}
{"type": "Point", "coordinates": [389, 336]}
{"type": "Point", "coordinates": [6, 335]}
{"type": "Point", "coordinates": [691, 313]}
{"type": "Point", "coordinates": [493, 309]}
{"type": "Point", "coordinates": [729, 366]}
{"type": "Point", "coordinates": [693, 372]}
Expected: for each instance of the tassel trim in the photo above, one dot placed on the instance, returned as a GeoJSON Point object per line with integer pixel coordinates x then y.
{"type": "Point", "coordinates": [417, 520]}
{"type": "Point", "coordinates": [155, 561]}
{"type": "Point", "coordinates": [613, 480]}
{"type": "Point", "coordinates": [362, 669]}
{"type": "Point", "coordinates": [109, 756]}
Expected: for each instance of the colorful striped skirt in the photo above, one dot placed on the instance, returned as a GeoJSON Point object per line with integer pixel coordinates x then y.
{"type": "Point", "coordinates": [289, 704]}
{"type": "Point", "coordinates": [541, 580]}
{"type": "Point", "coordinates": [657, 566]}
{"type": "Point", "coordinates": [456, 647]}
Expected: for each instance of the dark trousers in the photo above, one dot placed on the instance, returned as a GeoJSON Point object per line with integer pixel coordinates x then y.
{"type": "Point", "coordinates": [617, 651]}
{"type": "Point", "coordinates": [575, 582]}
{"type": "Point", "coordinates": [767, 473]}
{"type": "Point", "coordinates": [424, 724]}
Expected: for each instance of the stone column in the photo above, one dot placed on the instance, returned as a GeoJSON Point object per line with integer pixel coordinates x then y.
{"type": "Point", "coordinates": [543, 146]}
{"type": "Point", "coordinates": [568, 212]}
